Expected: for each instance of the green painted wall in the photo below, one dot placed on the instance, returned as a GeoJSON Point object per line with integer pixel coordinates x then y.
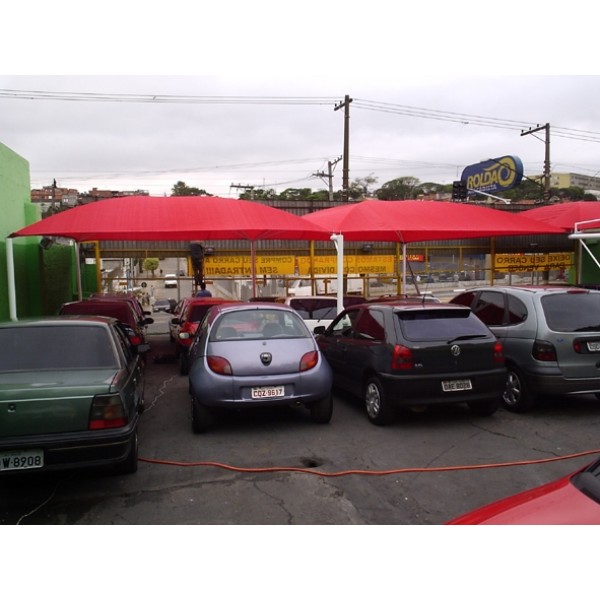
{"type": "Point", "coordinates": [17, 211]}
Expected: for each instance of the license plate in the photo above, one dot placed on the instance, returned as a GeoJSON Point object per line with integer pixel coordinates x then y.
{"type": "Point", "coordinates": [19, 460]}
{"type": "Point", "coordinates": [457, 385]}
{"type": "Point", "coordinates": [593, 346]}
{"type": "Point", "coordinates": [276, 391]}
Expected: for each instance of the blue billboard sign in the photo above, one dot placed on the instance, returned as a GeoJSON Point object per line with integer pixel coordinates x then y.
{"type": "Point", "coordinates": [494, 175]}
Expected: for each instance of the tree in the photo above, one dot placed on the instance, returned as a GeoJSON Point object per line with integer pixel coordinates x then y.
{"type": "Point", "coordinates": [181, 189]}
{"type": "Point", "coordinates": [402, 188]}
{"type": "Point", "coordinates": [151, 264]}
{"type": "Point", "coordinates": [361, 187]}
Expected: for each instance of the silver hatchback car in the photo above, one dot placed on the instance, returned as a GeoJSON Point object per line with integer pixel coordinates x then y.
{"type": "Point", "coordinates": [551, 338]}
{"type": "Point", "coordinates": [256, 354]}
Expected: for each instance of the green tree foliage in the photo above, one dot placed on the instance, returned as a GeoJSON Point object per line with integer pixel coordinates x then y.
{"type": "Point", "coordinates": [361, 187]}
{"type": "Point", "coordinates": [403, 188]}
{"type": "Point", "coordinates": [181, 189]}
{"type": "Point", "coordinates": [151, 264]}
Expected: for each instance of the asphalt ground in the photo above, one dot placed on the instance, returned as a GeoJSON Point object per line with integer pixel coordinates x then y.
{"type": "Point", "coordinates": [276, 468]}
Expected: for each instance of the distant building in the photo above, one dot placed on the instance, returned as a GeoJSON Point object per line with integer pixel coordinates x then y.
{"type": "Point", "coordinates": [52, 195]}
{"type": "Point", "coordinates": [588, 183]}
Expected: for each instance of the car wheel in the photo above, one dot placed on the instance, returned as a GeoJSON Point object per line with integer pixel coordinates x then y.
{"type": "Point", "coordinates": [202, 417]}
{"type": "Point", "coordinates": [130, 464]}
{"type": "Point", "coordinates": [516, 397]}
{"type": "Point", "coordinates": [322, 410]}
{"type": "Point", "coordinates": [379, 410]}
{"type": "Point", "coordinates": [484, 409]}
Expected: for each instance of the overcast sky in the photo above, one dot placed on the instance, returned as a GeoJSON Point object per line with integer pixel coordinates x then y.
{"type": "Point", "coordinates": [476, 78]}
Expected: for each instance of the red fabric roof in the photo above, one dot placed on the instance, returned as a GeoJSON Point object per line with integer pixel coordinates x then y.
{"type": "Point", "coordinates": [175, 218]}
{"type": "Point", "coordinates": [417, 221]}
{"type": "Point", "coordinates": [566, 214]}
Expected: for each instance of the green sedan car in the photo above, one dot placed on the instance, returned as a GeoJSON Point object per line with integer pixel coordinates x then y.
{"type": "Point", "coordinates": [71, 394]}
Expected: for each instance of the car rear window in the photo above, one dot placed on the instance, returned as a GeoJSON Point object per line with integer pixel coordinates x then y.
{"type": "Point", "coordinates": [259, 324]}
{"type": "Point", "coordinates": [197, 313]}
{"type": "Point", "coordinates": [314, 308]}
{"type": "Point", "coordinates": [572, 311]}
{"type": "Point", "coordinates": [424, 325]}
{"type": "Point", "coordinates": [55, 348]}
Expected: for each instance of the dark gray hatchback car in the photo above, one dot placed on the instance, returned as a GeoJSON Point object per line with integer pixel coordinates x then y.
{"type": "Point", "coordinates": [394, 354]}
{"type": "Point", "coordinates": [551, 338]}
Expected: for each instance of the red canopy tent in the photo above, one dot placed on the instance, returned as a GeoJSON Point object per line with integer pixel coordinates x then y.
{"type": "Point", "coordinates": [408, 221]}
{"type": "Point", "coordinates": [577, 218]}
{"type": "Point", "coordinates": [170, 218]}
{"type": "Point", "coordinates": [175, 218]}
{"type": "Point", "coordinates": [567, 215]}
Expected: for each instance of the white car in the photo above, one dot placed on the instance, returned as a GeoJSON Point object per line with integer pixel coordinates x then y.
{"type": "Point", "coordinates": [171, 280]}
{"type": "Point", "coordinates": [318, 310]}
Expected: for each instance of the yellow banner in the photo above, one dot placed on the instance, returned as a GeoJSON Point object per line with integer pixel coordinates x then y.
{"type": "Point", "coordinates": [240, 266]}
{"type": "Point", "coordinates": [512, 263]}
{"type": "Point", "coordinates": [363, 264]}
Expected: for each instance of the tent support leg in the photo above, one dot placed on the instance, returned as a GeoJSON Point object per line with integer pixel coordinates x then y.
{"type": "Point", "coordinates": [10, 272]}
{"type": "Point", "coordinates": [338, 240]}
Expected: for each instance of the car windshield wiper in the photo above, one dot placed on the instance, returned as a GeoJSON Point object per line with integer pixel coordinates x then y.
{"type": "Point", "coordinates": [472, 336]}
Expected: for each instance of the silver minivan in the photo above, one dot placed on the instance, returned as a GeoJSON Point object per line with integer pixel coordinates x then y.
{"type": "Point", "coordinates": [551, 338]}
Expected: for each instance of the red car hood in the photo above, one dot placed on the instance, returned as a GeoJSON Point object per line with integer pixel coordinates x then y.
{"type": "Point", "coordinates": [555, 503]}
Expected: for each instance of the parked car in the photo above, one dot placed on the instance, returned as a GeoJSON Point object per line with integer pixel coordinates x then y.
{"type": "Point", "coordinates": [570, 500]}
{"type": "Point", "coordinates": [318, 310]}
{"type": "Point", "coordinates": [171, 280]}
{"type": "Point", "coordinates": [256, 354]}
{"type": "Point", "coordinates": [120, 309]}
{"type": "Point", "coordinates": [126, 296]}
{"type": "Point", "coordinates": [71, 394]}
{"type": "Point", "coordinates": [551, 338]}
{"type": "Point", "coordinates": [175, 322]}
{"type": "Point", "coordinates": [395, 354]}
{"type": "Point", "coordinates": [162, 305]}
{"type": "Point", "coordinates": [193, 312]}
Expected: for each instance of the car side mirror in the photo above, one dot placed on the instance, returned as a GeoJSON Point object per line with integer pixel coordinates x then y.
{"type": "Point", "coordinates": [319, 329]}
{"type": "Point", "coordinates": [148, 321]}
{"type": "Point", "coordinates": [176, 321]}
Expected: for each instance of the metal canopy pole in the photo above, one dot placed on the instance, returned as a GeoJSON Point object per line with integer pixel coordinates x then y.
{"type": "Point", "coordinates": [10, 272]}
{"type": "Point", "coordinates": [338, 240]}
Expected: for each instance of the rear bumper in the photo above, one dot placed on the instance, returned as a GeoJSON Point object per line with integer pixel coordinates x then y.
{"type": "Point", "coordinates": [75, 450]}
{"type": "Point", "coordinates": [558, 385]}
{"type": "Point", "coordinates": [421, 391]}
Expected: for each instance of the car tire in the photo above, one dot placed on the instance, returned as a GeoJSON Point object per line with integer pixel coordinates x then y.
{"type": "Point", "coordinates": [130, 464]}
{"type": "Point", "coordinates": [379, 410]}
{"type": "Point", "coordinates": [484, 409]}
{"type": "Point", "coordinates": [517, 397]}
{"type": "Point", "coordinates": [202, 417]}
{"type": "Point", "coordinates": [322, 410]}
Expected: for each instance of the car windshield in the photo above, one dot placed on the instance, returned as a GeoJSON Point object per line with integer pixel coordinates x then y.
{"type": "Point", "coordinates": [55, 348]}
{"type": "Point", "coordinates": [573, 311]}
{"type": "Point", "coordinates": [437, 325]}
{"type": "Point", "coordinates": [259, 324]}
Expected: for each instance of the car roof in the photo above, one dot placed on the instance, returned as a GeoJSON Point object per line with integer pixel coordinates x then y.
{"type": "Point", "coordinates": [532, 289]}
{"type": "Point", "coordinates": [416, 305]}
{"type": "Point", "coordinates": [68, 320]}
{"type": "Point", "coordinates": [118, 309]}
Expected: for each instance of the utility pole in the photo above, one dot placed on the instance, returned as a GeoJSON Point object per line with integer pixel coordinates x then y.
{"type": "Point", "coordinates": [328, 175]}
{"type": "Point", "coordinates": [345, 183]}
{"type": "Point", "coordinates": [246, 188]}
{"type": "Point", "coordinates": [546, 128]}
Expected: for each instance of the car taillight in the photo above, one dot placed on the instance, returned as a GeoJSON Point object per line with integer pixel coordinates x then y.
{"type": "Point", "coordinates": [107, 412]}
{"type": "Point", "coordinates": [499, 352]}
{"type": "Point", "coordinates": [543, 351]}
{"type": "Point", "coordinates": [402, 358]}
{"type": "Point", "coordinates": [309, 361]}
{"type": "Point", "coordinates": [135, 340]}
{"type": "Point", "coordinates": [219, 365]}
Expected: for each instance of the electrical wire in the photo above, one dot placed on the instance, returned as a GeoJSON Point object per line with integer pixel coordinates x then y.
{"type": "Point", "coordinates": [309, 471]}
